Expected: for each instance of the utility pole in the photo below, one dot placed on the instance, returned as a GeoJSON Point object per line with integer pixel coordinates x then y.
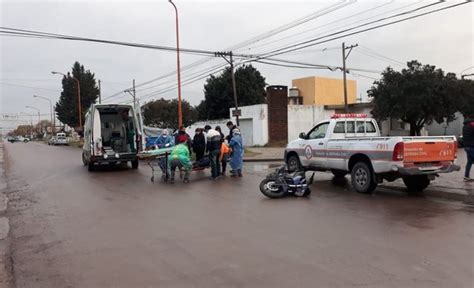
{"type": "Point", "coordinates": [100, 96]}
{"type": "Point", "coordinates": [134, 94]}
{"type": "Point", "coordinates": [234, 89]}
{"type": "Point", "coordinates": [344, 57]}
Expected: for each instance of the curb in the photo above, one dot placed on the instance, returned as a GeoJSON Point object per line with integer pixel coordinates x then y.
{"type": "Point", "coordinates": [263, 160]}
{"type": "Point", "coordinates": [466, 198]}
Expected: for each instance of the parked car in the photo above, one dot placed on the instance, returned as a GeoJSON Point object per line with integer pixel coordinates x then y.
{"type": "Point", "coordinates": [111, 135]}
{"type": "Point", "coordinates": [23, 139]}
{"type": "Point", "coordinates": [351, 144]}
{"type": "Point", "coordinates": [18, 139]}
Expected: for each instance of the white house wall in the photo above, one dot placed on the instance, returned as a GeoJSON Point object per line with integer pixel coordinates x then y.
{"type": "Point", "coordinates": [258, 114]}
{"type": "Point", "coordinates": [301, 118]}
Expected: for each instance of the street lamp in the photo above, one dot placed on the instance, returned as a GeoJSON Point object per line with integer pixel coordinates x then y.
{"type": "Point", "coordinates": [38, 110]}
{"type": "Point", "coordinates": [78, 96]}
{"type": "Point", "coordinates": [50, 109]}
{"type": "Point", "coordinates": [180, 113]}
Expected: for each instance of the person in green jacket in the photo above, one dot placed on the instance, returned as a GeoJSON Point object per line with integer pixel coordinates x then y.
{"type": "Point", "coordinates": [180, 158]}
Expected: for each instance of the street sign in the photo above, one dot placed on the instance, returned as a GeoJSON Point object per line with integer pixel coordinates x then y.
{"type": "Point", "coordinates": [236, 113]}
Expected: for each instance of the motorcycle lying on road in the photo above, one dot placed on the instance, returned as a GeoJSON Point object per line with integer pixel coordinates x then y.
{"type": "Point", "coordinates": [282, 183]}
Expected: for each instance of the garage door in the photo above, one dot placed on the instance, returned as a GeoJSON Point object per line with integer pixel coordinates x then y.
{"type": "Point", "coordinates": [246, 128]}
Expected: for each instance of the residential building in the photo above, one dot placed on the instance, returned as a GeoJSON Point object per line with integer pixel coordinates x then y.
{"type": "Point", "coordinates": [317, 90]}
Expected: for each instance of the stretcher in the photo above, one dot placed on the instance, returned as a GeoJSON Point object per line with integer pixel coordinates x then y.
{"type": "Point", "coordinates": [158, 160]}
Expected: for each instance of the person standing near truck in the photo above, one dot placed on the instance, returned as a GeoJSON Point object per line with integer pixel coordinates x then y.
{"type": "Point", "coordinates": [468, 138]}
{"type": "Point", "coordinates": [214, 149]}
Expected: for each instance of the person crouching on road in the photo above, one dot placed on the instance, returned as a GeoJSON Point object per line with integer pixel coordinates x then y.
{"type": "Point", "coordinates": [468, 139]}
{"type": "Point", "coordinates": [214, 149]}
{"type": "Point", "coordinates": [237, 155]}
{"type": "Point", "coordinates": [224, 157]}
{"type": "Point", "coordinates": [181, 159]}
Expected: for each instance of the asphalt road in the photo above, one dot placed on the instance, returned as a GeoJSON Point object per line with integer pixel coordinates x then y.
{"type": "Point", "coordinates": [114, 228]}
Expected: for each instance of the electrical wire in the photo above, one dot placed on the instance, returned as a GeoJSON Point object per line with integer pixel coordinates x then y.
{"type": "Point", "coordinates": [313, 42]}
{"type": "Point", "coordinates": [31, 87]}
{"type": "Point", "coordinates": [332, 22]}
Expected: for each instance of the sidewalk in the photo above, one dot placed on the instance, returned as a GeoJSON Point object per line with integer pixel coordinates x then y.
{"type": "Point", "coordinates": [449, 186]}
{"type": "Point", "coordinates": [5, 261]}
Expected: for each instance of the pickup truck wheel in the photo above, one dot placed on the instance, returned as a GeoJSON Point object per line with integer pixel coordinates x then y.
{"type": "Point", "coordinates": [339, 173]}
{"type": "Point", "coordinates": [416, 184]}
{"type": "Point", "coordinates": [362, 178]}
{"type": "Point", "coordinates": [293, 163]}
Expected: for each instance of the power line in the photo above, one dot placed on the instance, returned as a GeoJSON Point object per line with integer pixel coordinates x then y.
{"type": "Point", "coordinates": [260, 37]}
{"type": "Point", "coordinates": [31, 87]}
{"type": "Point", "coordinates": [327, 24]}
{"type": "Point", "coordinates": [312, 42]}
{"type": "Point", "coordinates": [47, 35]}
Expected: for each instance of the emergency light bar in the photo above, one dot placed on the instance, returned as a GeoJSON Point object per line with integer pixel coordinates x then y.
{"type": "Point", "coordinates": [351, 115]}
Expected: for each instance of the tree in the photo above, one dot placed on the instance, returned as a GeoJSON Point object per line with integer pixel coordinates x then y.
{"type": "Point", "coordinates": [419, 95]}
{"type": "Point", "coordinates": [164, 113]}
{"type": "Point", "coordinates": [67, 106]}
{"type": "Point", "coordinates": [218, 92]}
{"type": "Point", "coordinates": [465, 91]}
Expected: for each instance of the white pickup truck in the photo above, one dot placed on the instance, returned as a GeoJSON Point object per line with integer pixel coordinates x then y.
{"type": "Point", "coordinates": [351, 143]}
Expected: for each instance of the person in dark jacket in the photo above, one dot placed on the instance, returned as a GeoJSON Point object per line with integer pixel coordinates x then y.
{"type": "Point", "coordinates": [214, 148]}
{"type": "Point", "coordinates": [231, 127]}
{"type": "Point", "coordinates": [199, 144]}
{"type": "Point", "coordinates": [468, 139]}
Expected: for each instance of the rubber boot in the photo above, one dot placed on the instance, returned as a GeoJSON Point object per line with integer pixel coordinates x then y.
{"type": "Point", "coordinates": [239, 172]}
{"type": "Point", "coordinates": [172, 177]}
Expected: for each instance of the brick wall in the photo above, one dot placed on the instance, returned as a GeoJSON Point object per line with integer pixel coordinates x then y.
{"type": "Point", "coordinates": [277, 99]}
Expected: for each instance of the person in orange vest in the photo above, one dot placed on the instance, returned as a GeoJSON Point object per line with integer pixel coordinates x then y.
{"type": "Point", "coordinates": [224, 157]}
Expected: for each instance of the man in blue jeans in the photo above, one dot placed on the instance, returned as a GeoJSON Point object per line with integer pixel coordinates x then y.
{"type": "Point", "coordinates": [468, 139]}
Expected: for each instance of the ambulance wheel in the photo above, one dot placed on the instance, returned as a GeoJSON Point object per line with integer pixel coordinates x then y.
{"type": "Point", "coordinates": [90, 166]}
{"type": "Point", "coordinates": [84, 161]}
{"type": "Point", "coordinates": [135, 164]}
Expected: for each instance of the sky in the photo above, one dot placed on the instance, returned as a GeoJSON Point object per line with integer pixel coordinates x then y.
{"type": "Point", "coordinates": [444, 39]}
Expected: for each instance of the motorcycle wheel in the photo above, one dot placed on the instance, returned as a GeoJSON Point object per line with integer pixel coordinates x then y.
{"type": "Point", "coordinates": [268, 188]}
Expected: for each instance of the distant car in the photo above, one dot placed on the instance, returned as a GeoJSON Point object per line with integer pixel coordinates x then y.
{"type": "Point", "coordinates": [11, 139]}
{"type": "Point", "coordinates": [23, 139]}
{"type": "Point", "coordinates": [59, 139]}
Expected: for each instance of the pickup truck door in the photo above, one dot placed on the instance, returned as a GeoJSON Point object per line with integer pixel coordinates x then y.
{"type": "Point", "coordinates": [315, 149]}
